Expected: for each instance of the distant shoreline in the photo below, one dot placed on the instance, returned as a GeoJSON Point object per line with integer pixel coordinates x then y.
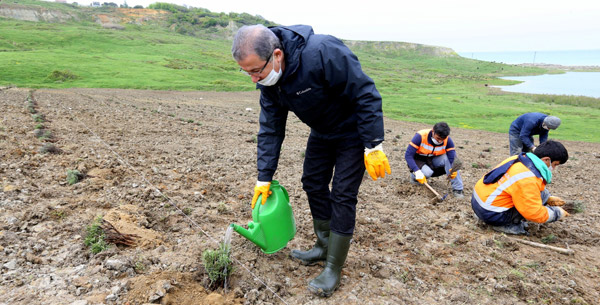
{"type": "Point", "coordinates": [563, 68]}
{"type": "Point", "coordinates": [570, 83]}
{"type": "Point", "coordinates": [574, 60]}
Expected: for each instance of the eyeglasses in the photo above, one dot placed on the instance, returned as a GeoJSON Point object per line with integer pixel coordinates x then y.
{"type": "Point", "coordinates": [256, 73]}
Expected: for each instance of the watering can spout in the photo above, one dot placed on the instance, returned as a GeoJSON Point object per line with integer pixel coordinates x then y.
{"type": "Point", "coordinates": [253, 234]}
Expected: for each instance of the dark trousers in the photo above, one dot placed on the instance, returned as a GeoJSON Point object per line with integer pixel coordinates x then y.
{"type": "Point", "coordinates": [337, 204]}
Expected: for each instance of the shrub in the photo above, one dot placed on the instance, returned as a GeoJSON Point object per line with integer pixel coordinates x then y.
{"type": "Point", "coordinates": [73, 176]}
{"type": "Point", "coordinates": [480, 165]}
{"type": "Point", "coordinates": [173, 8]}
{"type": "Point", "coordinates": [574, 207]}
{"type": "Point", "coordinates": [62, 76]}
{"type": "Point", "coordinates": [210, 22]}
{"type": "Point", "coordinates": [38, 133]}
{"type": "Point", "coordinates": [218, 265]}
{"type": "Point", "coordinates": [50, 148]}
{"type": "Point", "coordinates": [43, 134]}
{"type": "Point", "coordinates": [47, 135]}
{"type": "Point", "coordinates": [38, 118]}
{"type": "Point", "coordinates": [140, 267]}
{"type": "Point", "coordinates": [548, 239]}
{"type": "Point", "coordinates": [95, 236]}
{"type": "Point", "coordinates": [58, 214]}
{"type": "Point", "coordinates": [222, 208]}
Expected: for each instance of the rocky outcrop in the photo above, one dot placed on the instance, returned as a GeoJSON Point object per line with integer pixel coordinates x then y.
{"type": "Point", "coordinates": [35, 13]}
{"type": "Point", "coordinates": [113, 18]}
{"type": "Point", "coordinates": [395, 47]}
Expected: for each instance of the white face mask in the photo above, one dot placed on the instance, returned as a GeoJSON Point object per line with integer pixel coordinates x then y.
{"type": "Point", "coordinates": [273, 76]}
{"type": "Point", "coordinates": [435, 141]}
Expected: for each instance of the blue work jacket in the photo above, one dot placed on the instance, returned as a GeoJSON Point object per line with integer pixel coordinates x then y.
{"type": "Point", "coordinates": [527, 125]}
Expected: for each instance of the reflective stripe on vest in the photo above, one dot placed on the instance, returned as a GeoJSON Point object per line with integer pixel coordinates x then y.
{"type": "Point", "coordinates": [428, 150]}
{"type": "Point", "coordinates": [506, 184]}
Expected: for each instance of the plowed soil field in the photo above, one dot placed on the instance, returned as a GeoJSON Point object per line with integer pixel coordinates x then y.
{"type": "Point", "coordinates": [176, 168]}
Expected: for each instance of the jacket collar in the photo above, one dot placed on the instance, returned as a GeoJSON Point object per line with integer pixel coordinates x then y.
{"type": "Point", "coordinates": [541, 167]}
{"type": "Point", "coordinates": [293, 38]}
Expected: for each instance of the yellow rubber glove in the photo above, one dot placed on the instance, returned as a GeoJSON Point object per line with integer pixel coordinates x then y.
{"type": "Point", "coordinates": [261, 188]}
{"type": "Point", "coordinates": [453, 174]}
{"type": "Point", "coordinates": [555, 201]}
{"type": "Point", "coordinates": [376, 162]}
{"type": "Point", "coordinates": [420, 177]}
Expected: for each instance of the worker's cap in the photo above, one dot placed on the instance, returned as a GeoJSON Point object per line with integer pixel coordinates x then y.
{"type": "Point", "coordinates": [552, 122]}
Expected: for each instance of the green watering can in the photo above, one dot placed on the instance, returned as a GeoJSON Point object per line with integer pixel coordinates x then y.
{"type": "Point", "coordinates": [273, 223]}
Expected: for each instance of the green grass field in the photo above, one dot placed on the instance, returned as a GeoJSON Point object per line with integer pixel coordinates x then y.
{"type": "Point", "coordinates": [142, 58]}
{"type": "Point", "coordinates": [415, 87]}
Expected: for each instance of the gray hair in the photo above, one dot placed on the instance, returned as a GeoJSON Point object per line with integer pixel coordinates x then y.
{"type": "Point", "coordinates": [254, 39]}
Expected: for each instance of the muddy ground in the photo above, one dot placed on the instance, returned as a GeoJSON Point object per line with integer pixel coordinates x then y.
{"type": "Point", "coordinates": [176, 168]}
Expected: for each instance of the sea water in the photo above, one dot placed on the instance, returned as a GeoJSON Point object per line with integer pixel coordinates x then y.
{"type": "Point", "coordinates": [570, 83]}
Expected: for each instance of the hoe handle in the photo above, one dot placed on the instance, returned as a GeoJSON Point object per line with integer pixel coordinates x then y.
{"type": "Point", "coordinates": [432, 190]}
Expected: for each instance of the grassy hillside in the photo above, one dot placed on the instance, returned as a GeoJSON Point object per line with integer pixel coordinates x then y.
{"type": "Point", "coordinates": [43, 4]}
{"type": "Point", "coordinates": [87, 55]}
{"type": "Point", "coordinates": [417, 82]}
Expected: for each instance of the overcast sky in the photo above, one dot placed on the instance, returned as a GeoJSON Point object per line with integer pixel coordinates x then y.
{"type": "Point", "coordinates": [463, 25]}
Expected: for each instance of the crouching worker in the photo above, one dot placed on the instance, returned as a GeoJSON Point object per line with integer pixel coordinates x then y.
{"type": "Point", "coordinates": [431, 153]}
{"type": "Point", "coordinates": [515, 191]}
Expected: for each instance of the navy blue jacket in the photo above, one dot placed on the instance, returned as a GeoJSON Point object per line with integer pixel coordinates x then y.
{"type": "Point", "coordinates": [324, 85]}
{"type": "Point", "coordinates": [527, 125]}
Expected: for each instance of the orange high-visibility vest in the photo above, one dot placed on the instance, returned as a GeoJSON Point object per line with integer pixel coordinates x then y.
{"type": "Point", "coordinates": [427, 150]}
{"type": "Point", "coordinates": [519, 188]}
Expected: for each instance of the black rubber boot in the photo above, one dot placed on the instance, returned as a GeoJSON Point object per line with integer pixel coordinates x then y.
{"type": "Point", "coordinates": [329, 280]}
{"type": "Point", "coordinates": [318, 252]}
{"type": "Point", "coordinates": [512, 228]}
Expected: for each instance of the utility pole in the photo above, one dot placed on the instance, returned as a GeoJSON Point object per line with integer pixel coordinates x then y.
{"type": "Point", "coordinates": [534, 52]}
